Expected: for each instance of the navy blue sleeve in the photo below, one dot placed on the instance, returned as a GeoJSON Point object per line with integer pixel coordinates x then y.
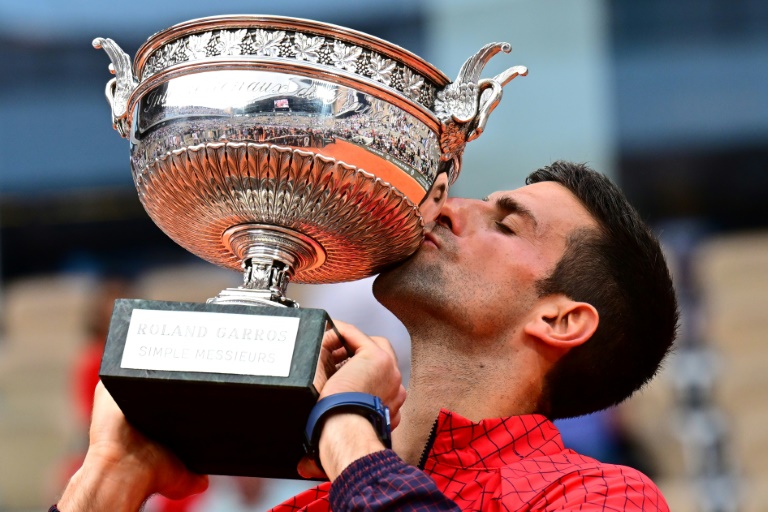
{"type": "Point", "coordinates": [383, 481]}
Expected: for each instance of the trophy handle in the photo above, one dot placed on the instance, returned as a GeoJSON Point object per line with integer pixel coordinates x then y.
{"type": "Point", "coordinates": [490, 95]}
{"type": "Point", "coordinates": [120, 88]}
{"type": "Point", "coordinates": [464, 105]}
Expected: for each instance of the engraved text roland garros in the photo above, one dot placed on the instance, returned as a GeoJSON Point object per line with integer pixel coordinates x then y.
{"type": "Point", "coordinates": [190, 341]}
{"type": "Point", "coordinates": [201, 331]}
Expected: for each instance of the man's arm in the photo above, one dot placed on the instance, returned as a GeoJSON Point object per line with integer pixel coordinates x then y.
{"type": "Point", "coordinates": [383, 481]}
{"type": "Point", "coordinates": [372, 369]}
{"type": "Point", "coordinates": [365, 475]}
{"type": "Point", "coordinates": [123, 468]}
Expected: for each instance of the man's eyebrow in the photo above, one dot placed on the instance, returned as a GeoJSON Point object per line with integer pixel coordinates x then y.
{"type": "Point", "coordinates": [509, 206]}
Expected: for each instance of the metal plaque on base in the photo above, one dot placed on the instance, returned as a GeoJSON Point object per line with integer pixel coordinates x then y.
{"type": "Point", "coordinates": [291, 150]}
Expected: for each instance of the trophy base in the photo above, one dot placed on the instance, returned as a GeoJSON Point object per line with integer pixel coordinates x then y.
{"type": "Point", "coordinates": [227, 388]}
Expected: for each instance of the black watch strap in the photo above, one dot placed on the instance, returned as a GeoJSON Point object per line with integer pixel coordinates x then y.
{"type": "Point", "coordinates": [369, 406]}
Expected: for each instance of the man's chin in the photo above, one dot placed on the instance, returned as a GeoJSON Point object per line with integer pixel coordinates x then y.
{"type": "Point", "coordinates": [405, 279]}
{"type": "Point", "coordinates": [393, 267]}
{"type": "Point", "coordinates": [386, 281]}
{"type": "Point", "coordinates": [404, 266]}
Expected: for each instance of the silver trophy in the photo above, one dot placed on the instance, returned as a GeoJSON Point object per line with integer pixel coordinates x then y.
{"type": "Point", "coordinates": [292, 150]}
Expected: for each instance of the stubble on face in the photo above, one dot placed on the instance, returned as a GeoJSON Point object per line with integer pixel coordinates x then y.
{"type": "Point", "coordinates": [412, 280]}
{"type": "Point", "coordinates": [446, 282]}
{"type": "Point", "coordinates": [431, 285]}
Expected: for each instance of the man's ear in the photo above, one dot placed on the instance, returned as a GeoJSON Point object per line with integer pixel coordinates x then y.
{"type": "Point", "coordinates": [562, 323]}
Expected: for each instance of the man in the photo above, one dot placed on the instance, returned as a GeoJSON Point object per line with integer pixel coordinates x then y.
{"type": "Point", "coordinates": [548, 301]}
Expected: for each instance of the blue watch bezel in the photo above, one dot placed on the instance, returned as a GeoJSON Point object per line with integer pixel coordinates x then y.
{"type": "Point", "coordinates": [369, 406]}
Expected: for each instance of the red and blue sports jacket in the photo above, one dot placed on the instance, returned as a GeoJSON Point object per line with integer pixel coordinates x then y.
{"type": "Point", "coordinates": [516, 463]}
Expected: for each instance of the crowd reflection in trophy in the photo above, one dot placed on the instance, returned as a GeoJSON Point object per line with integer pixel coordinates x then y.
{"type": "Point", "coordinates": [409, 143]}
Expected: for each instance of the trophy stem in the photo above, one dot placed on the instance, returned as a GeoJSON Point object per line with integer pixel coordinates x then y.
{"type": "Point", "coordinates": [271, 255]}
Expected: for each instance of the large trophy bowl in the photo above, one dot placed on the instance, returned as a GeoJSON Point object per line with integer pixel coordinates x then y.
{"type": "Point", "coordinates": [291, 150]}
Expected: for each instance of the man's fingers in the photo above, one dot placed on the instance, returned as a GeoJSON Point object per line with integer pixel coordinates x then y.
{"type": "Point", "coordinates": [401, 396]}
{"type": "Point", "coordinates": [394, 420]}
{"type": "Point", "coordinates": [339, 355]}
{"type": "Point", "coordinates": [332, 340]}
{"type": "Point", "coordinates": [384, 344]}
{"type": "Point", "coordinates": [373, 368]}
{"type": "Point", "coordinates": [356, 339]}
{"type": "Point", "coordinates": [397, 403]}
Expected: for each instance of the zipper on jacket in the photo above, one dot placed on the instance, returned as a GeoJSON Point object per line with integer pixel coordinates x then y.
{"type": "Point", "coordinates": [428, 447]}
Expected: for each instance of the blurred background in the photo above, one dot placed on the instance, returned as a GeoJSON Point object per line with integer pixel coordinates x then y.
{"type": "Point", "coordinates": [668, 98]}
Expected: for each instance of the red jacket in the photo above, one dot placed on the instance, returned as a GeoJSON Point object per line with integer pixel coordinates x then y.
{"type": "Point", "coordinates": [516, 463]}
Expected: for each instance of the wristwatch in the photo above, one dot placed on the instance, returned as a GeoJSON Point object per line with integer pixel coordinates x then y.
{"type": "Point", "coordinates": [368, 406]}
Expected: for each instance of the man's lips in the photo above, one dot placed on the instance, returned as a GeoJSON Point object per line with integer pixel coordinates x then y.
{"type": "Point", "coordinates": [431, 238]}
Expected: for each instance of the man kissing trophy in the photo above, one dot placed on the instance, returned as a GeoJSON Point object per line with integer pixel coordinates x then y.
{"type": "Point", "coordinates": [292, 150]}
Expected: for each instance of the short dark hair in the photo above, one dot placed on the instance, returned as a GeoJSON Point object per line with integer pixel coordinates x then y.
{"type": "Point", "coordinates": [619, 269]}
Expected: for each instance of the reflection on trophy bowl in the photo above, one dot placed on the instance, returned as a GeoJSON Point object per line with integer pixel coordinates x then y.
{"type": "Point", "coordinates": [224, 200]}
{"type": "Point", "coordinates": [293, 149]}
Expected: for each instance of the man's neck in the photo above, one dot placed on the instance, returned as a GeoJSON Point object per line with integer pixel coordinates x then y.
{"type": "Point", "coordinates": [485, 381]}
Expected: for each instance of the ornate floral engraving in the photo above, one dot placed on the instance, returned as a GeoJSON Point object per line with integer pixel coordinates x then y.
{"type": "Point", "coordinates": [345, 56]}
{"type": "Point", "coordinates": [300, 46]}
{"type": "Point", "coordinates": [307, 48]}
{"type": "Point", "coordinates": [427, 96]}
{"type": "Point", "coordinates": [381, 69]}
{"type": "Point", "coordinates": [163, 57]}
{"type": "Point", "coordinates": [267, 43]}
{"type": "Point", "coordinates": [230, 41]}
{"type": "Point", "coordinates": [412, 83]}
{"type": "Point", "coordinates": [197, 45]}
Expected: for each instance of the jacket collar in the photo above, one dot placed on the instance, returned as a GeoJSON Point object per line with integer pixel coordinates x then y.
{"type": "Point", "coordinates": [492, 443]}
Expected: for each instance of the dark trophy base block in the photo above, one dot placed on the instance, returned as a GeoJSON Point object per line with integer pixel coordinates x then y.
{"type": "Point", "coordinates": [216, 423]}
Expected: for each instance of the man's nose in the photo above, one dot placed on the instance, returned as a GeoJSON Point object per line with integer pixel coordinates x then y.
{"type": "Point", "coordinates": [456, 214]}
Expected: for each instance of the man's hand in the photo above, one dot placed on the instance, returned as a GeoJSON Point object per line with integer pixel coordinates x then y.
{"type": "Point", "coordinates": [123, 468]}
{"type": "Point", "coordinates": [372, 369]}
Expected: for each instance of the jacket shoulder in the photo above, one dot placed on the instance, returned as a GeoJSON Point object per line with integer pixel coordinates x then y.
{"type": "Point", "coordinates": [571, 481]}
